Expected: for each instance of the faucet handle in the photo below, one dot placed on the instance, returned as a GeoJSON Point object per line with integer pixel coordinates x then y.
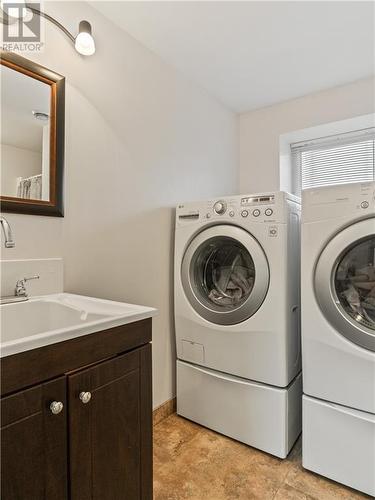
{"type": "Point", "coordinates": [36, 277]}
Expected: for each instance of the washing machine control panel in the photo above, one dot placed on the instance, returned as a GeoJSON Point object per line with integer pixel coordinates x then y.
{"type": "Point", "coordinates": [246, 209]}
{"type": "Point", "coordinates": [258, 208]}
{"type": "Point", "coordinates": [256, 200]}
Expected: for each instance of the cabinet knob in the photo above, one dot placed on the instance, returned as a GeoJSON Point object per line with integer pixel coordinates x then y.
{"type": "Point", "coordinates": [85, 397]}
{"type": "Point", "coordinates": [56, 407]}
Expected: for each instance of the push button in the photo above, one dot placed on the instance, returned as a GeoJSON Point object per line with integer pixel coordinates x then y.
{"type": "Point", "coordinates": [256, 212]}
{"type": "Point", "coordinates": [231, 213]}
{"type": "Point", "coordinates": [268, 212]}
{"type": "Point", "coordinates": [244, 213]}
{"type": "Point", "coordinates": [364, 204]}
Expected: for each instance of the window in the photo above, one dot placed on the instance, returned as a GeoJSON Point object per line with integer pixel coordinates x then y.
{"type": "Point", "coordinates": [338, 159]}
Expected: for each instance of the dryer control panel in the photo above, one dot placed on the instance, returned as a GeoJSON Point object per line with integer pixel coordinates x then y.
{"type": "Point", "coordinates": [351, 200]}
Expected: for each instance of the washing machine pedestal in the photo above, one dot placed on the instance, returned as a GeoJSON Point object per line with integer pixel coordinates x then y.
{"type": "Point", "coordinates": [263, 416]}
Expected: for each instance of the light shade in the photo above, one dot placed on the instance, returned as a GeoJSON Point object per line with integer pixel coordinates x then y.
{"type": "Point", "coordinates": [84, 42]}
{"type": "Point", "coordinates": [16, 9]}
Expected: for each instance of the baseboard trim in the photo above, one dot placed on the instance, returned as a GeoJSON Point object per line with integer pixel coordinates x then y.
{"type": "Point", "coordinates": [163, 411]}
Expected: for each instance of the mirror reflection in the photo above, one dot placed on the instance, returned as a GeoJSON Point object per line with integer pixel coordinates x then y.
{"type": "Point", "coordinates": [25, 136]}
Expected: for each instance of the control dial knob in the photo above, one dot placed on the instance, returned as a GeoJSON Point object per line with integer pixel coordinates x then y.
{"type": "Point", "coordinates": [220, 207]}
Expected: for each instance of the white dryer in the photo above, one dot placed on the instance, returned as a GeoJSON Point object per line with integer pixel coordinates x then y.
{"type": "Point", "coordinates": [237, 317]}
{"type": "Point", "coordinates": [338, 333]}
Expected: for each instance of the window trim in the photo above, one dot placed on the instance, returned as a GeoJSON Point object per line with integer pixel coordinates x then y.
{"type": "Point", "coordinates": [335, 140]}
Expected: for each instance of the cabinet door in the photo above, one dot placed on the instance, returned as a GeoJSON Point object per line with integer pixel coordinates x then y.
{"type": "Point", "coordinates": [110, 432]}
{"type": "Point", "coordinates": [34, 443]}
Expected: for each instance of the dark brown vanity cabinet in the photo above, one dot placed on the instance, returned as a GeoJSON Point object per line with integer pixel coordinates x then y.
{"type": "Point", "coordinates": [108, 439]}
{"type": "Point", "coordinates": [34, 444]}
{"type": "Point", "coordinates": [86, 434]}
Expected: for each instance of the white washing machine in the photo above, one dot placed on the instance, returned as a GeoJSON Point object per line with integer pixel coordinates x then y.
{"type": "Point", "coordinates": [338, 333]}
{"type": "Point", "coordinates": [237, 317]}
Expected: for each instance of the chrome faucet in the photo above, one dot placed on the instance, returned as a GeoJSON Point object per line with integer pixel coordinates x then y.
{"type": "Point", "coordinates": [8, 238]}
{"type": "Point", "coordinates": [20, 290]}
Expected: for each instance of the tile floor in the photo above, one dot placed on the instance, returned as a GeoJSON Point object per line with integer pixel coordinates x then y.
{"type": "Point", "coordinates": [195, 463]}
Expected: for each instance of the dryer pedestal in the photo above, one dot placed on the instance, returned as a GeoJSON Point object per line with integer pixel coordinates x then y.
{"type": "Point", "coordinates": [260, 415]}
{"type": "Point", "coordinates": [339, 443]}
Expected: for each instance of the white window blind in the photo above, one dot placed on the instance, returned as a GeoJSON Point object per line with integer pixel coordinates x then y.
{"type": "Point", "coordinates": [338, 159]}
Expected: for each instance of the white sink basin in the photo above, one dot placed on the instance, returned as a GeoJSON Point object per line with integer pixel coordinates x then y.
{"type": "Point", "coordinates": [48, 319]}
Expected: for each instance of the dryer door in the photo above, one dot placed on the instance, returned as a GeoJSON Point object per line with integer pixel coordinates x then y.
{"type": "Point", "coordinates": [225, 274]}
{"type": "Point", "coordinates": [345, 283]}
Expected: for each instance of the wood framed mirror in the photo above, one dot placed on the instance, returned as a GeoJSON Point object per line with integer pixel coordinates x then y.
{"type": "Point", "coordinates": [32, 137]}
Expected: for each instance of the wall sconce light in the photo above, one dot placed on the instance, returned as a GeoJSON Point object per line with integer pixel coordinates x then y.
{"type": "Point", "coordinates": [84, 42]}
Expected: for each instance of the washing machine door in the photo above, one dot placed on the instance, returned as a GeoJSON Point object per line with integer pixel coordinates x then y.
{"type": "Point", "coordinates": [225, 274]}
{"type": "Point", "coordinates": [345, 283]}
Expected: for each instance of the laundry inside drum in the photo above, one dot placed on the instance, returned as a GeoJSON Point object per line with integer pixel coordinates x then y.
{"type": "Point", "coordinates": [355, 282]}
{"type": "Point", "coordinates": [224, 273]}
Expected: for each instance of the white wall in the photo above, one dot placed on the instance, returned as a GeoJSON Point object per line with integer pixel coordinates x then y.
{"type": "Point", "coordinates": [17, 162]}
{"type": "Point", "coordinates": [260, 129]}
{"type": "Point", "coordinates": [139, 139]}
